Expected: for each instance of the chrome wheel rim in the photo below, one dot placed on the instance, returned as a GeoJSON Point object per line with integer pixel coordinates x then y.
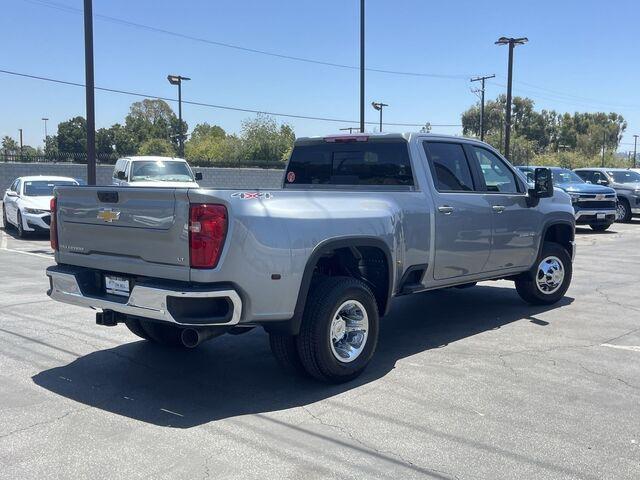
{"type": "Point", "coordinates": [621, 211]}
{"type": "Point", "coordinates": [348, 331]}
{"type": "Point", "coordinates": [550, 275]}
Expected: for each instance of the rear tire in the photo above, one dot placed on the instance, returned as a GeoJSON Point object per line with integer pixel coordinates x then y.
{"type": "Point", "coordinates": [623, 211]}
{"type": "Point", "coordinates": [133, 324]}
{"type": "Point", "coordinates": [285, 351]}
{"type": "Point", "coordinates": [162, 334]}
{"type": "Point", "coordinates": [339, 331]}
{"type": "Point", "coordinates": [550, 277]}
{"type": "Point", "coordinates": [600, 227]}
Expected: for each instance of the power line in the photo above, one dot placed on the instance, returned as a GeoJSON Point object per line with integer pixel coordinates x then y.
{"type": "Point", "coordinates": [211, 105]}
{"type": "Point", "coordinates": [107, 18]}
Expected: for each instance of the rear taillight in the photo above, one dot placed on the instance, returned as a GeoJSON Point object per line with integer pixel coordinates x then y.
{"type": "Point", "coordinates": [53, 226]}
{"type": "Point", "coordinates": [207, 232]}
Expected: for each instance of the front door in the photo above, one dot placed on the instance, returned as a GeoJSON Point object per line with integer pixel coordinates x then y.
{"type": "Point", "coordinates": [515, 226]}
{"type": "Point", "coordinates": [462, 217]}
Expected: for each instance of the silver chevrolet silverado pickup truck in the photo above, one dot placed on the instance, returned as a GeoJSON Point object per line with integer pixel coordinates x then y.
{"type": "Point", "coordinates": [360, 219]}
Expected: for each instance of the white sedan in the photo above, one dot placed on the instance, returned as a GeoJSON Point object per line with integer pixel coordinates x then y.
{"type": "Point", "coordinates": [26, 203]}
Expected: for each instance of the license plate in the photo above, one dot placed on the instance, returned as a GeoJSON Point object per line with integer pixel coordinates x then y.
{"type": "Point", "coordinates": [600, 216]}
{"type": "Point", "coordinates": [116, 285]}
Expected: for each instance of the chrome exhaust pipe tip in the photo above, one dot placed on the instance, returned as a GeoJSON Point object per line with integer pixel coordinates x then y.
{"type": "Point", "coordinates": [191, 337]}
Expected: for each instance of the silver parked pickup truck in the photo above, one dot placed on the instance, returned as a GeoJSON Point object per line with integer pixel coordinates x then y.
{"type": "Point", "coordinates": [360, 219]}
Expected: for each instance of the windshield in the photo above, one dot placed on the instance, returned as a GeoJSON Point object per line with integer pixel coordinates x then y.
{"type": "Point", "coordinates": [159, 171]}
{"type": "Point", "coordinates": [44, 188]}
{"type": "Point", "coordinates": [624, 176]}
{"type": "Point", "coordinates": [563, 175]}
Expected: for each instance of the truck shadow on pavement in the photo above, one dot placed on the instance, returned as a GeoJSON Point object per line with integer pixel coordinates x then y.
{"type": "Point", "coordinates": [236, 375]}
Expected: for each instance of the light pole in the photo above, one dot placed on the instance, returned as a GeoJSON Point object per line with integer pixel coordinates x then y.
{"type": "Point", "coordinates": [177, 80]}
{"type": "Point", "coordinates": [361, 66]}
{"type": "Point", "coordinates": [379, 106]}
{"type": "Point", "coordinates": [44, 119]}
{"type": "Point", "coordinates": [20, 130]}
{"type": "Point", "coordinates": [512, 42]}
{"type": "Point", "coordinates": [482, 79]}
{"type": "Point", "coordinates": [90, 92]}
{"type": "Point", "coordinates": [635, 145]}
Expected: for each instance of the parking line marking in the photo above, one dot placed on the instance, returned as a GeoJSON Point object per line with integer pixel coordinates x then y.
{"type": "Point", "coordinates": [41, 255]}
{"type": "Point", "coordinates": [632, 348]}
{"type": "Point", "coordinates": [172, 413]}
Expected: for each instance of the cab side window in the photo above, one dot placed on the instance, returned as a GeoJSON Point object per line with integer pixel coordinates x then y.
{"type": "Point", "coordinates": [600, 178]}
{"type": "Point", "coordinates": [449, 167]}
{"type": "Point", "coordinates": [497, 176]}
{"type": "Point", "coordinates": [586, 175]}
{"type": "Point", "coordinates": [119, 169]}
{"type": "Point", "coordinates": [14, 186]}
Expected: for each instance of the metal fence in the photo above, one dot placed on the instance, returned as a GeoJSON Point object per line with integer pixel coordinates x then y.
{"type": "Point", "coordinates": [102, 159]}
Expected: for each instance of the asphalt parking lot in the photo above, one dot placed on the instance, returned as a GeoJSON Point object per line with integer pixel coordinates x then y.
{"type": "Point", "coordinates": [467, 384]}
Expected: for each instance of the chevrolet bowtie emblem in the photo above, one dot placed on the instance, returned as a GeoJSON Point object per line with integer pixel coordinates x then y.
{"type": "Point", "coordinates": [108, 215]}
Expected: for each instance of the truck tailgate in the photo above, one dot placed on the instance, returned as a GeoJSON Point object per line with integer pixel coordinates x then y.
{"type": "Point", "coordinates": [141, 231]}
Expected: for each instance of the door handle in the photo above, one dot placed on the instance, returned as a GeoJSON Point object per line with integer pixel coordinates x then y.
{"type": "Point", "coordinates": [498, 208]}
{"type": "Point", "coordinates": [446, 209]}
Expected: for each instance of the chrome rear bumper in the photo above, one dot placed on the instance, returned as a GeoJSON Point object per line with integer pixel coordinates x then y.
{"type": "Point", "coordinates": [144, 301]}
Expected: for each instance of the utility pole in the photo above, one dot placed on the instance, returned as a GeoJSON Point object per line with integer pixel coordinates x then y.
{"type": "Point", "coordinates": [361, 66]}
{"type": "Point", "coordinates": [604, 142]}
{"type": "Point", "coordinates": [512, 42]}
{"type": "Point", "coordinates": [379, 106]}
{"type": "Point", "coordinates": [90, 92]}
{"type": "Point", "coordinates": [635, 145]}
{"type": "Point", "coordinates": [20, 130]}
{"type": "Point", "coordinates": [482, 79]}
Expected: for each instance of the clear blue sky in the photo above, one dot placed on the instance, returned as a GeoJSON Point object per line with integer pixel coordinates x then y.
{"type": "Point", "coordinates": [582, 56]}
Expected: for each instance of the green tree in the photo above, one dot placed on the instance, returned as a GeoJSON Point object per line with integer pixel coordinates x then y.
{"type": "Point", "coordinates": [262, 140]}
{"type": "Point", "coordinates": [9, 146]}
{"type": "Point", "coordinates": [72, 136]}
{"type": "Point", "coordinates": [157, 146]}
{"type": "Point", "coordinates": [51, 146]}
{"type": "Point", "coordinates": [151, 119]}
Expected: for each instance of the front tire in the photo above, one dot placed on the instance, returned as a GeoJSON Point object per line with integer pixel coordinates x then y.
{"type": "Point", "coordinates": [623, 211]}
{"type": "Point", "coordinates": [5, 222]}
{"type": "Point", "coordinates": [600, 227]}
{"type": "Point", "coordinates": [339, 331]}
{"type": "Point", "coordinates": [550, 277]}
{"type": "Point", "coordinates": [20, 226]}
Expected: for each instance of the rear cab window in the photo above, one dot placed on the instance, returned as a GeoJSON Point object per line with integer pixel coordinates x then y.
{"type": "Point", "coordinates": [449, 166]}
{"type": "Point", "coordinates": [351, 161]}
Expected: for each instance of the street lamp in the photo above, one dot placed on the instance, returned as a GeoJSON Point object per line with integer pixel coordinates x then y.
{"type": "Point", "coordinates": [177, 80]}
{"type": "Point", "coordinates": [379, 106]}
{"type": "Point", "coordinates": [512, 42]}
{"type": "Point", "coordinates": [44, 119]}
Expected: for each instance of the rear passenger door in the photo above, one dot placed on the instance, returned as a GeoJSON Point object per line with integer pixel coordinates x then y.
{"type": "Point", "coordinates": [462, 217]}
{"type": "Point", "coordinates": [515, 224]}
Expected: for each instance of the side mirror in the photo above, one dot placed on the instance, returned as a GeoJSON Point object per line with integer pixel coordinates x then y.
{"type": "Point", "coordinates": [603, 181]}
{"type": "Point", "coordinates": [11, 193]}
{"type": "Point", "coordinates": [542, 184]}
{"type": "Point", "coordinates": [121, 175]}
{"type": "Point", "coordinates": [198, 175]}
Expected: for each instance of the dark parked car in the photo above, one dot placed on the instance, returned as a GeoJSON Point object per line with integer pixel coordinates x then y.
{"type": "Point", "coordinates": [593, 204]}
{"type": "Point", "coordinates": [625, 182]}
